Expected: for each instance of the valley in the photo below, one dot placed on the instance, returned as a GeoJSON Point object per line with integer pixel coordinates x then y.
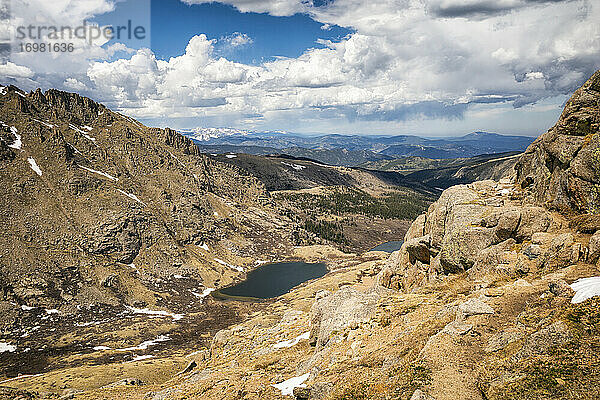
{"type": "Point", "coordinates": [125, 233]}
{"type": "Point", "coordinates": [131, 266]}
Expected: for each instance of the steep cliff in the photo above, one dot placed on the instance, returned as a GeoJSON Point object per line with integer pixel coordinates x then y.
{"type": "Point", "coordinates": [561, 169]}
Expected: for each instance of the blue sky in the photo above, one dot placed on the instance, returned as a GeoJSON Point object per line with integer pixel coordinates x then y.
{"type": "Point", "coordinates": [430, 67]}
{"type": "Point", "coordinates": [272, 36]}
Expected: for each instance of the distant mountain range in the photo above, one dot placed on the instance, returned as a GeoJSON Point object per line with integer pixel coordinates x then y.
{"type": "Point", "coordinates": [353, 150]}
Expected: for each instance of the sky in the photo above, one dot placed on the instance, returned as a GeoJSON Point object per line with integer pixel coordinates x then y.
{"type": "Point", "coordinates": [424, 67]}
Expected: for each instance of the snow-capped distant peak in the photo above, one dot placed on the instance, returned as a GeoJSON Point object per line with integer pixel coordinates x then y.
{"type": "Point", "coordinates": [206, 134]}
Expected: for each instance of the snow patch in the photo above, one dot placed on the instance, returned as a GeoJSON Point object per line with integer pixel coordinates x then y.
{"type": "Point", "coordinates": [44, 123]}
{"type": "Point", "coordinates": [16, 378]}
{"type": "Point", "coordinates": [83, 324]}
{"type": "Point", "coordinates": [287, 387]}
{"type": "Point", "coordinates": [139, 358]}
{"type": "Point", "coordinates": [99, 173]}
{"type": "Point", "coordinates": [204, 293]}
{"type": "Point", "coordinates": [74, 148]}
{"type": "Point", "coordinates": [17, 144]}
{"type": "Point", "coordinates": [131, 196]}
{"type": "Point", "coordinates": [34, 166]}
{"type": "Point", "coordinates": [159, 313]}
{"type": "Point", "coordinates": [5, 347]}
{"type": "Point", "coordinates": [585, 288]}
{"type": "Point", "coordinates": [240, 269]}
{"type": "Point", "coordinates": [141, 346]}
{"type": "Point", "coordinates": [292, 342]}
{"type": "Point", "coordinates": [52, 311]}
{"type": "Point", "coordinates": [146, 344]}
{"type": "Point", "coordinates": [230, 156]}
{"type": "Point", "coordinates": [26, 308]}
{"type": "Point", "coordinates": [294, 166]}
{"type": "Point", "coordinates": [204, 247]}
{"type": "Point", "coordinates": [82, 133]}
{"type": "Point", "coordinates": [177, 159]}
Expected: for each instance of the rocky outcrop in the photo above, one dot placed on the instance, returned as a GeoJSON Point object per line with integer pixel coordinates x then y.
{"type": "Point", "coordinates": [174, 139]}
{"type": "Point", "coordinates": [561, 169]}
{"type": "Point", "coordinates": [482, 228]}
{"type": "Point", "coordinates": [345, 308]}
{"type": "Point", "coordinates": [122, 237]}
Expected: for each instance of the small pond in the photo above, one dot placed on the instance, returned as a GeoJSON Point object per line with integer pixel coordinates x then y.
{"type": "Point", "coordinates": [389, 247]}
{"type": "Point", "coordinates": [272, 280]}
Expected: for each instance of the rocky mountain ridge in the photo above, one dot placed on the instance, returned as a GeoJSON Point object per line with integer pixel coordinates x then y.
{"type": "Point", "coordinates": [107, 223]}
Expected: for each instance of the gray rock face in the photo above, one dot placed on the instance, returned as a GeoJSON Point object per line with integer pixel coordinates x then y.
{"type": "Point", "coordinates": [561, 288]}
{"type": "Point", "coordinates": [461, 247]}
{"type": "Point", "coordinates": [561, 168]}
{"type": "Point", "coordinates": [457, 328]}
{"type": "Point", "coordinates": [475, 307]}
{"type": "Point", "coordinates": [502, 339]}
{"type": "Point", "coordinates": [594, 247]}
{"type": "Point", "coordinates": [121, 237]}
{"type": "Point", "coordinates": [345, 308]}
{"type": "Point", "coordinates": [418, 248]}
{"type": "Point", "coordinates": [317, 391]}
{"type": "Point", "coordinates": [417, 228]}
{"type": "Point", "coordinates": [463, 230]}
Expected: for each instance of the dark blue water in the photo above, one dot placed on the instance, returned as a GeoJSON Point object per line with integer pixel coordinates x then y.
{"type": "Point", "coordinates": [389, 247]}
{"type": "Point", "coordinates": [272, 280]}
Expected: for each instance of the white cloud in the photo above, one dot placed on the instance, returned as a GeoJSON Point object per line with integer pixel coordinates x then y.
{"type": "Point", "coordinates": [273, 7]}
{"type": "Point", "coordinates": [75, 85]}
{"type": "Point", "coordinates": [13, 70]}
{"type": "Point", "coordinates": [408, 61]}
{"type": "Point", "coordinates": [238, 39]}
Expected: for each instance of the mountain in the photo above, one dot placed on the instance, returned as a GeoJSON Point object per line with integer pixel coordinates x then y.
{"type": "Point", "coordinates": [113, 234]}
{"type": "Point", "coordinates": [470, 145]}
{"type": "Point", "coordinates": [351, 150]}
{"type": "Point", "coordinates": [462, 171]}
{"type": "Point", "coordinates": [479, 303]}
{"type": "Point", "coordinates": [492, 295]}
{"type": "Point", "coordinates": [206, 134]}
{"type": "Point", "coordinates": [106, 223]}
{"type": "Point", "coordinates": [561, 168]}
{"type": "Point", "coordinates": [337, 157]}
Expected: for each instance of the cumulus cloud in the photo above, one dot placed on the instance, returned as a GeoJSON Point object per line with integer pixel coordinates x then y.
{"type": "Point", "coordinates": [407, 60]}
{"type": "Point", "coordinates": [273, 7]}
{"type": "Point", "coordinates": [238, 39]}
{"type": "Point", "coordinates": [401, 63]}
{"type": "Point", "coordinates": [12, 70]}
